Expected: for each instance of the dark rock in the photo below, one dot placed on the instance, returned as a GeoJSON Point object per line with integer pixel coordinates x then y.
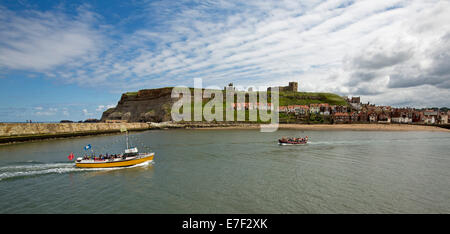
{"type": "Point", "coordinates": [66, 121]}
{"type": "Point", "coordinates": [147, 105]}
{"type": "Point", "coordinates": [92, 121]}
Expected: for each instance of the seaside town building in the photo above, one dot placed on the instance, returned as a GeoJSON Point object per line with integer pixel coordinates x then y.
{"type": "Point", "coordinates": [341, 118]}
{"type": "Point", "coordinates": [402, 116]}
{"type": "Point", "coordinates": [373, 117]}
{"type": "Point", "coordinates": [301, 110]}
{"type": "Point", "coordinates": [283, 109]}
{"type": "Point", "coordinates": [431, 116]}
{"type": "Point", "coordinates": [354, 117]}
{"type": "Point", "coordinates": [384, 118]}
{"type": "Point", "coordinates": [338, 109]}
{"type": "Point", "coordinates": [443, 118]}
{"type": "Point", "coordinates": [418, 117]}
{"type": "Point", "coordinates": [291, 109]}
{"type": "Point", "coordinates": [355, 103]}
{"type": "Point", "coordinates": [314, 108]}
{"type": "Point", "coordinates": [363, 117]}
{"type": "Point", "coordinates": [252, 106]}
{"type": "Point", "coordinates": [324, 109]}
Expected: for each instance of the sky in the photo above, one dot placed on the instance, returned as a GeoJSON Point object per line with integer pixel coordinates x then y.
{"type": "Point", "coordinates": [73, 59]}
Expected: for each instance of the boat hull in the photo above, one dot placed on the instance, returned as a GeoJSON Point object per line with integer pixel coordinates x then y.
{"type": "Point", "coordinates": [292, 144]}
{"type": "Point", "coordinates": [284, 142]}
{"type": "Point", "coordinates": [121, 163]}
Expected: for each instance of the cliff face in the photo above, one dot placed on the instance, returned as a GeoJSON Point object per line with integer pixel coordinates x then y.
{"type": "Point", "coordinates": [148, 105]}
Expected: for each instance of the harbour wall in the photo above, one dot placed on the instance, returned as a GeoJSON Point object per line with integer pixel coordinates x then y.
{"type": "Point", "coordinates": [16, 132]}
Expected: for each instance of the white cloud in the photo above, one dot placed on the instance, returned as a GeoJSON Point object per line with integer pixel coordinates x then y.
{"type": "Point", "coordinates": [41, 41]}
{"type": "Point", "coordinates": [102, 108]}
{"type": "Point", "coordinates": [46, 112]}
{"type": "Point", "coordinates": [352, 48]}
{"type": "Point", "coordinates": [86, 112]}
{"type": "Point", "coordinates": [65, 111]}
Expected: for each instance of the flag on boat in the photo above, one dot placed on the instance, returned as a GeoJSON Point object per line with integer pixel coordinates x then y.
{"type": "Point", "coordinates": [123, 129]}
{"type": "Point", "coordinates": [71, 156]}
{"type": "Point", "coordinates": [87, 147]}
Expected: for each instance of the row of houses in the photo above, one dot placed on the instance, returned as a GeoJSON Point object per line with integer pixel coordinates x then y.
{"type": "Point", "coordinates": [316, 108]}
{"type": "Point", "coordinates": [252, 106]}
{"type": "Point", "coordinates": [430, 116]}
{"type": "Point", "coordinates": [407, 115]}
{"type": "Point", "coordinates": [369, 113]}
{"type": "Point", "coordinates": [364, 113]}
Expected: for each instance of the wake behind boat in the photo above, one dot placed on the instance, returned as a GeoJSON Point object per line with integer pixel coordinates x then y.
{"type": "Point", "coordinates": [293, 141]}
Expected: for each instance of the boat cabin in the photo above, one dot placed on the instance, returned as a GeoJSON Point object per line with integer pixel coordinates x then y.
{"type": "Point", "coordinates": [131, 152]}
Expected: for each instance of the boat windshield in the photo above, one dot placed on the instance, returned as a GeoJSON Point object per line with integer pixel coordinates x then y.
{"type": "Point", "coordinates": [130, 154]}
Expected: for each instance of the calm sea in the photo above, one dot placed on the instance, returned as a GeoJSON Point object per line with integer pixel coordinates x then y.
{"type": "Point", "coordinates": [234, 171]}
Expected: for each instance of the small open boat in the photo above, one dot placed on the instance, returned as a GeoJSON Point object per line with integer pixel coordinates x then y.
{"type": "Point", "coordinates": [293, 141]}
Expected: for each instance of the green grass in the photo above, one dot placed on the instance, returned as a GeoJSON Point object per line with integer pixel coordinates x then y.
{"type": "Point", "coordinates": [285, 99]}
{"type": "Point", "coordinates": [304, 98]}
{"type": "Point", "coordinates": [131, 93]}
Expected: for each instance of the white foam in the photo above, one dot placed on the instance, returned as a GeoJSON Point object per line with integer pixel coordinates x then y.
{"type": "Point", "coordinates": [25, 173]}
{"type": "Point", "coordinates": [9, 172]}
{"type": "Point", "coordinates": [36, 166]}
{"type": "Point", "coordinates": [146, 163]}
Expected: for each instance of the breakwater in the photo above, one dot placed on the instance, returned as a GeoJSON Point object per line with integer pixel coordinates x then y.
{"type": "Point", "coordinates": [16, 132]}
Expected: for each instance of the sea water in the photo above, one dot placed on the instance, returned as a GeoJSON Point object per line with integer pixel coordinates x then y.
{"type": "Point", "coordinates": [234, 171]}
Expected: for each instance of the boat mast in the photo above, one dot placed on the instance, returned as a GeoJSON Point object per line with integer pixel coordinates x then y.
{"type": "Point", "coordinates": [124, 129]}
{"type": "Point", "coordinates": [127, 139]}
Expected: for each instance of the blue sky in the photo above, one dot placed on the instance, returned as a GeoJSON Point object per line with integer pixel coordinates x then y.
{"type": "Point", "coordinates": [73, 59]}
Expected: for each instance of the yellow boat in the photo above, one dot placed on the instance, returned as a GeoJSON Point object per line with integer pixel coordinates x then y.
{"type": "Point", "coordinates": [129, 158]}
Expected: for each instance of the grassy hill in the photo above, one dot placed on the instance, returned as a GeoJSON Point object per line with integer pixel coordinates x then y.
{"type": "Point", "coordinates": [149, 103]}
{"type": "Point", "coordinates": [294, 98]}
{"type": "Point", "coordinates": [303, 98]}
